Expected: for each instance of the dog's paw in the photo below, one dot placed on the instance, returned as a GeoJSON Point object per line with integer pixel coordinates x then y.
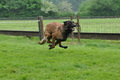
{"type": "Point", "coordinates": [50, 46]}
{"type": "Point", "coordinates": [65, 47]}
{"type": "Point", "coordinates": [40, 43]}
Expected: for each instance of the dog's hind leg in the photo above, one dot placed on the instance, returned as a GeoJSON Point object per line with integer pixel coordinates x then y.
{"type": "Point", "coordinates": [43, 40]}
{"type": "Point", "coordinates": [53, 44]}
{"type": "Point", "coordinates": [46, 38]}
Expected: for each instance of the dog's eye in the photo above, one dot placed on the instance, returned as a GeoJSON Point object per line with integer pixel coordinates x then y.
{"type": "Point", "coordinates": [70, 22]}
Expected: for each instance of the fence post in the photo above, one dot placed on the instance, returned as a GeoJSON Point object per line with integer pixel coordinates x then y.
{"type": "Point", "coordinates": [79, 30]}
{"type": "Point", "coordinates": [40, 27]}
{"type": "Point", "coordinates": [71, 17]}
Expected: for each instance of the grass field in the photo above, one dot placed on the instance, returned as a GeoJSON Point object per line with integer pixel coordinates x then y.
{"type": "Point", "coordinates": [22, 58]}
{"type": "Point", "coordinates": [105, 25]}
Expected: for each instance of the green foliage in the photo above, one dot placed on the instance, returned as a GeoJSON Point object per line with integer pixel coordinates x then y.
{"type": "Point", "coordinates": [20, 8]}
{"type": "Point", "coordinates": [23, 59]}
{"type": "Point", "coordinates": [100, 8]}
{"type": "Point", "coordinates": [65, 9]}
{"type": "Point", "coordinates": [64, 6]}
{"type": "Point", "coordinates": [65, 14]}
{"type": "Point", "coordinates": [75, 3]}
{"type": "Point", "coordinates": [83, 11]}
{"type": "Point", "coordinates": [27, 8]}
{"type": "Point", "coordinates": [49, 8]}
{"type": "Point", "coordinates": [34, 8]}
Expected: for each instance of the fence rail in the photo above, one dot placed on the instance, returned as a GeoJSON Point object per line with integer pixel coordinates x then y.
{"type": "Point", "coordinates": [105, 36]}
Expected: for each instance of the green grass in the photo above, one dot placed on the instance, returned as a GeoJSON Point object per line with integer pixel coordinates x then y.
{"type": "Point", "coordinates": [22, 58]}
{"type": "Point", "coordinates": [106, 25]}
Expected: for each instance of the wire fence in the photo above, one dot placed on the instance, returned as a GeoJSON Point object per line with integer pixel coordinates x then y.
{"type": "Point", "coordinates": [92, 25]}
{"type": "Point", "coordinates": [20, 25]}
{"type": "Point", "coordinates": [100, 25]}
{"type": "Point", "coordinates": [20, 21]}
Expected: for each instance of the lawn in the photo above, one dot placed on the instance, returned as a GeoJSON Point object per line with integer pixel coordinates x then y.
{"type": "Point", "coordinates": [105, 25]}
{"type": "Point", "coordinates": [22, 58]}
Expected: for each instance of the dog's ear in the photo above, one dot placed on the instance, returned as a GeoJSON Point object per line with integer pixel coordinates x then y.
{"type": "Point", "coordinates": [65, 22]}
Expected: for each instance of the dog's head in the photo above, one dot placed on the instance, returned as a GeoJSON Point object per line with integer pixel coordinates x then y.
{"type": "Point", "coordinates": [69, 25]}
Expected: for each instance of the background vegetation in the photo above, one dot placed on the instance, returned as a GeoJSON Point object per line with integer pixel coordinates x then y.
{"type": "Point", "coordinates": [100, 8]}
{"type": "Point", "coordinates": [34, 8]}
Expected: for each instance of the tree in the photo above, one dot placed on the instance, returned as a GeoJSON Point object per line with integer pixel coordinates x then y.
{"type": "Point", "coordinates": [20, 8]}
{"type": "Point", "coordinates": [49, 8]}
{"type": "Point", "coordinates": [100, 8]}
{"type": "Point", "coordinates": [75, 3]}
{"type": "Point", "coordinates": [65, 9]}
{"type": "Point", "coordinates": [64, 6]}
{"type": "Point", "coordinates": [117, 7]}
{"type": "Point", "coordinates": [83, 10]}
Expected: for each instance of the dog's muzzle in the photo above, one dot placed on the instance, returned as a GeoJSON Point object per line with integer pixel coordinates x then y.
{"type": "Point", "coordinates": [72, 27]}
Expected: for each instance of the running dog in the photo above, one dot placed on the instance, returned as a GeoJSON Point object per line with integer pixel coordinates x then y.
{"type": "Point", "coordinates": [57, 32]}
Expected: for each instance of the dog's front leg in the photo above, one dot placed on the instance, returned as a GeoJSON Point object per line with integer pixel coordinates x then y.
{"type": "Point", "coordinates": [43, 40]}
{"type": "Point", "coordinates": [62, 46]}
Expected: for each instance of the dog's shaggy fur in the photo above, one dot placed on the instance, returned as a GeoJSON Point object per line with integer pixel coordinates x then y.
{"type": "Point", "coordinates": [57, 32]}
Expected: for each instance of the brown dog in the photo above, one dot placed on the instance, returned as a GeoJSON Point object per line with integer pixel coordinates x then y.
{"type": "Point", "coordinates": [57, 32]}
